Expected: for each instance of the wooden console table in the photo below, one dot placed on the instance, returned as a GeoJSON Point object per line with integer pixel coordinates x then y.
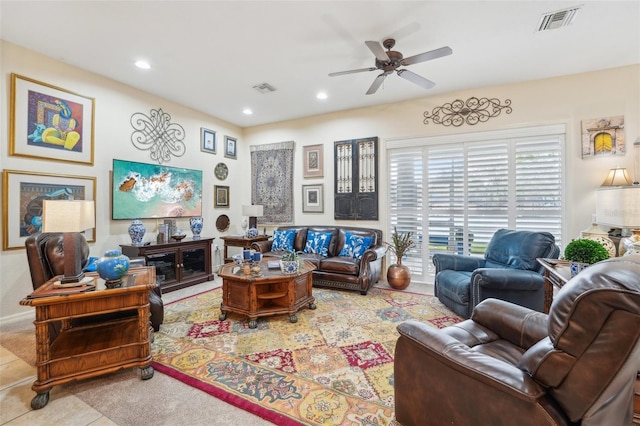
{"type": "Point", "coordinates": [243, 242]}
{"type": "Point", "coordinates": [270, 293]}
{"type": "Point", "coordinates": [556, 274]}
{"type": "Point", "coordinates": [98, 346]}
{"type": "Point", "coordinates": [178, 264]}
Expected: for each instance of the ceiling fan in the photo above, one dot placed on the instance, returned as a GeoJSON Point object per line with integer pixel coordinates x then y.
{"type": "Point", "coordinates": [389, 61]}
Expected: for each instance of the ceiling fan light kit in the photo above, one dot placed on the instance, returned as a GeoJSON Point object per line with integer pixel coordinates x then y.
{"type": "Point", "coordinates": [390, 60]}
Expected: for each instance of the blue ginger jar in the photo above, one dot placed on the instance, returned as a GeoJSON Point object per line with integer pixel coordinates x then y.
{"type": "Point", "coordinates": [136, 232]}
{"type": "Point", "coordinates": [112, 267]}
{"type": "Point", "coordinates": [195, 223]}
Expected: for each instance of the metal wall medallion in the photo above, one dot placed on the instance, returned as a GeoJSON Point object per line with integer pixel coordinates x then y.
{"type": "Point", "coordinates": [471, 112]}
{"type": "Point", "coordinates": [157, 134]}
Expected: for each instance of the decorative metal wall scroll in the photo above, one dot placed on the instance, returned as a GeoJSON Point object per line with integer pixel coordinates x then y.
{"type": "Point", "coordinates": [157, 134]}
{"type": "Point", "coordinates": [473, 111]}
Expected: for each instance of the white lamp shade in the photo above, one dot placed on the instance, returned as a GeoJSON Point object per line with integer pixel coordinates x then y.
{"type": "Point", "coordinates": [618, 207]}
{"type": "Point", "coordinates": [68, 215]}
{"type": "Point", "coordinates": [617, 177]}
{"type": "Point", "coordinates": [253, 210]}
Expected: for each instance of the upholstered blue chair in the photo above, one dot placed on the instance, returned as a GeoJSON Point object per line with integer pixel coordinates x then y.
{"type": "Point", "coordinates": [508, 271]}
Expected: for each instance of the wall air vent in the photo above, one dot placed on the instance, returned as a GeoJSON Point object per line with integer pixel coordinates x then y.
{"type": "Point", "coordinates": [560, 18]}
{"type": "Point", "coordinates": [264, 88]}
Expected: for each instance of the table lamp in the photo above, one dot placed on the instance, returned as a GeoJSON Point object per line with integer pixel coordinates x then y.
{"type": "Point", "coordinates": [71, 217]}
{"type": "Point", "coordinates": [253, 211]}
{"type": "Point", "coordinates": [619, 207]}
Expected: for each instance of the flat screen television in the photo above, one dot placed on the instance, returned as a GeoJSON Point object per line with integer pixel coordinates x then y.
{"type": "Point", "coordinates": [145, 191]}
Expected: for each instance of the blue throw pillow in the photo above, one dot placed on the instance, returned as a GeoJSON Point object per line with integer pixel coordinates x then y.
{"type": "Point", "coordinates": [355, 245]}
{"type": "Point", "coordinates": [318, 243]}
{"type": "Point", "coordinates": [283, 240]}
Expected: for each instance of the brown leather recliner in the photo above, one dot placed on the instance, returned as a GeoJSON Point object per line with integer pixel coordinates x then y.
{"type": "Point", "coordinates": [511, 365]}
{"type": "Point", "coordinates": [46, 260]}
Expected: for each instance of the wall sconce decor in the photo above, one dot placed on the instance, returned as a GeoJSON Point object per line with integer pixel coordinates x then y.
{"type": "Point", "coordinates": [157, 134]}
{"type": "Point", "coordinates": [471, 112]}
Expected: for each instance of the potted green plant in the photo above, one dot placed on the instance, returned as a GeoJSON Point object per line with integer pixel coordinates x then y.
{"type": "Point", "coordinates": [399, 275]}
{"type": "Point", "coordinates": [584, 252]}
{"type": "Point", "coordinates": [290, 263]}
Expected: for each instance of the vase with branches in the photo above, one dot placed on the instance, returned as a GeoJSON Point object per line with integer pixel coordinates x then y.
{"type": "Point", "coordinates": [399, 275]}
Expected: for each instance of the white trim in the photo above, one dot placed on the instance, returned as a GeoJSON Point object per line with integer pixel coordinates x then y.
{"type": "Point", "coordinates": [552, 129]}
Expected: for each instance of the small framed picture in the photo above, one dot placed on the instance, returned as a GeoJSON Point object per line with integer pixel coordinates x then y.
{"type": "Point", "coordinates": [207, 140]}
{"type": "Point", "coordinates": [312, 198]}
{"type": "Point", "coordinates": [230, 147]}
{"type": "Point", "coordinates": [313, 161]}
{"type": "Point", "coordinates": [220, 196]}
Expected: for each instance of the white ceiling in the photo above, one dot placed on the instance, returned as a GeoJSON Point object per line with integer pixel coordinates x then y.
{"type": "Point", "coordinates": [208, 55]}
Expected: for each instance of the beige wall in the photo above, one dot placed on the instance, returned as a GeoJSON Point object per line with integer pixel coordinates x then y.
{"type": "Point", "coordinates": [562, 100]}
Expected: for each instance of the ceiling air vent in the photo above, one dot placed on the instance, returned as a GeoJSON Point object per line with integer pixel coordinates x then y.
{"type": "Point", "coordinates": [560, 18]}
{"type": "Point", "coordinates": [264, 88]}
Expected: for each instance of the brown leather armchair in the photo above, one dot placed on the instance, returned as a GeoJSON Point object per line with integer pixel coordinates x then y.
{"type": "Point", "coordinates": [46, 260]}
{"type": "Point", "coordinates": [511, 365]}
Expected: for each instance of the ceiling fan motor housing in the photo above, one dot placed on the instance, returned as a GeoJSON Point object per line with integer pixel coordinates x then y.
{"type": "Point", "coordinates": [395, 59]}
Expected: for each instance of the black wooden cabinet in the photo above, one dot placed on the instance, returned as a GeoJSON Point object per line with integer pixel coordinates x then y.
{"type": "Point", "coordinates": [356, 179]}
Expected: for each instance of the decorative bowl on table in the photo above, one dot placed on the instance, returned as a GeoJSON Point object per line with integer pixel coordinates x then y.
{"type": "Point", "coordinates": [178, 235]}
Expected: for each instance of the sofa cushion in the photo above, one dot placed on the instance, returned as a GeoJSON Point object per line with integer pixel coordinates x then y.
{"type": "Point", "coordinates": [318, 243]}
{"type": "Point", "coordinates": [283, 240]}
{"type": "Point", "coordinates": [355, 245]}
{"type": "Point", "coordinates": [340, 265]}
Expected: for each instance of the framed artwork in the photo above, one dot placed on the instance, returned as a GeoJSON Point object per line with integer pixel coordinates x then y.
{"type": "Point", "coordinates": [207, 140]}
{"type": "Point", "coordinates": [312, 198]}
{"type": "Point", "coordinates": [603, 137]}
{"type": "Point", "coordinates": [220, 196]}
{"type": "Point", "coordinates": [23, 193]}
{"type": "Point", "coordinates": [313, 163]}
{"type": "Point", "coordinates": [230, 147]}
{"type": "Point", "coordinates": [49, 122]}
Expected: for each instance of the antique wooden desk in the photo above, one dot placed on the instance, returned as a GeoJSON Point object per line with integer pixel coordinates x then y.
{"type": "Point", "coordinates": [556, 274]}
{"type": "Point", "coordinates": [270, 293]}
{"type": "Point", "coordinates": [243, 242]}
{"type": "Point", "coordinates": [101, 344]}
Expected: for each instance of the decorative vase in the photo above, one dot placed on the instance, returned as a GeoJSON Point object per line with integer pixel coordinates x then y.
{"type": "Point", "coordinates": [252, 232]}
{"type": "Point", "coordinates": [627, 243]}
{"type": "Point", "coordinates": [289, 266]}
{"type": "Point", "coordinates": [136, 232]}
{"type": "Point", "coordinates": [112, 267]}
{"type": "Point", "coordinates": [195, 223]}
{"type": "Point", "coordinates": [577, 267]}
{"type": "Point", "coordinates": [399, 276]}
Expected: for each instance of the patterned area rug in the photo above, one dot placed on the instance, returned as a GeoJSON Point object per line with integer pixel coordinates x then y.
{"type": "Point", "coordinates": [333, 367]}
{"type": "Point", "coordinates": [272, 174]}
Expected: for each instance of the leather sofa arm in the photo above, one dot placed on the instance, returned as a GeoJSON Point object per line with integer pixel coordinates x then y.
{"type": "Point", "coordinates": [507, 279]}
{"type": "Point", "coordinates": [373, 253]}
{"type": "Point", "coordinates": [431, 343]}
{"type": "Point", "coordinates": [262, 246]}
{"type": "Point", "coordinates": [521, 326]}
{"type": "Point", "coordinates": [456, 262]}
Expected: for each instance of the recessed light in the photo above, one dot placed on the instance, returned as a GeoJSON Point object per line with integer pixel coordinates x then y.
{"type": "Point", "coordinates": [143, 65]}
{"type": "Point", "coordinates": [321, 95]}
{"type": "Point", "coordinates": [247, 111]}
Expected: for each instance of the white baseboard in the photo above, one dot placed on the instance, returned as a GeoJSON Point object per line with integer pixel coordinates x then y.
{"type": "Point", "coordinates": [23, 316]}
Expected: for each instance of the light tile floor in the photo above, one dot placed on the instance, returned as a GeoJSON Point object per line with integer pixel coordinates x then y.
{"type": "Point", "coordinates": [16, 378]}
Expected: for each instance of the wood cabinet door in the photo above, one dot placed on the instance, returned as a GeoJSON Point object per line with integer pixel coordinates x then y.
{"type": "Point", "coordinates": [356, 179]}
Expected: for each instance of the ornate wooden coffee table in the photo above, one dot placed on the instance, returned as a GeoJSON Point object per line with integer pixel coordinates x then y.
{"type": "Point", "coordinates": [270, 293]}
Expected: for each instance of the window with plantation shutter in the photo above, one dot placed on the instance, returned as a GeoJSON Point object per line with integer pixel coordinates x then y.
{"type": "Point", "coordinates": [454, 192]}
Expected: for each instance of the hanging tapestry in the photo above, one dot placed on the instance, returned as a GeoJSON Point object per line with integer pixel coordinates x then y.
{"type": "Point", "coordinates": [272, 181]}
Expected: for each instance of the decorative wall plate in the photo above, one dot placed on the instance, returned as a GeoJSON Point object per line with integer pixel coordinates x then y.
{"type": "Point", "coordinates": [222, 223]}
{"type": "Point", "coordinates": [221, 171]}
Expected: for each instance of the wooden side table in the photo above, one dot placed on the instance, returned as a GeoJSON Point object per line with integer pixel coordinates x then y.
{"type": "Point", "coordinates": [556, 274]}
{"type": "Point", "coordinates": [243, 242]}
{"type": "Point", "coordinates": [101, 345]}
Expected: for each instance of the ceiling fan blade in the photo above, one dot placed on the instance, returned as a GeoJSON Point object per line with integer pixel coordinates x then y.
{"type": "Point", "coordinates": [334, 74]}
{"type": "Point", "coordinates": [427, 56]}
{"type": "Point", "coordinates": [377, 50]}
{"type": "Point", "coordinates": [415, 78]}
{"type": "Point", "coordinates": [377, 82]}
